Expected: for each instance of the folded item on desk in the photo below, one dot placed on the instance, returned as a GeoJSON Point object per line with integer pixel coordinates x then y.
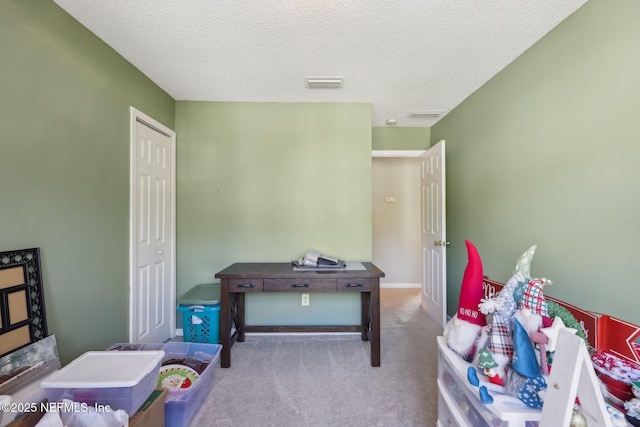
{"type": "Point", "coordinates": [299, 264]}
{"type": "Point", "coordinates": [314, 259]}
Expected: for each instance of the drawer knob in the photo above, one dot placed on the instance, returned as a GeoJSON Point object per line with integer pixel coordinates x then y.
{"type": "Point", "coordinates": [299, 285]}
{"type": "Point", "coordinates": [246, 285]}
{"type": "Point", "coordinates": [354, 285]}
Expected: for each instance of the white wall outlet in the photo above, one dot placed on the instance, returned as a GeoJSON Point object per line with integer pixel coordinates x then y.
{"type": "Point", "coordinates": [305, 299]}
{"type": "Point", "coordinates": [390, 199]}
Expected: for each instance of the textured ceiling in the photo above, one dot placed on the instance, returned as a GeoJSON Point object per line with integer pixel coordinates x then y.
{"type": "Point", "coordinates": [398, 56]}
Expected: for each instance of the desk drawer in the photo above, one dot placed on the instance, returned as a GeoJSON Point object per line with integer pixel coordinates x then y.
{"type": "Point", "coordinates": [354, 285]}
{"type": "Point", "coordinates": [246, 285]}
{"type": "Point", "coordinates": [299, 285]}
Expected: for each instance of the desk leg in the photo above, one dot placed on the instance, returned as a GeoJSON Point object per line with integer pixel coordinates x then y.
{"type": "Point", "coordinates": [225, 324]}
{"type": "Point", "coordinates": [365, 297]}
{"type": "Point", "coordinates": [375, 322]}
{"type": "Point", "coordinates": [240, 315]}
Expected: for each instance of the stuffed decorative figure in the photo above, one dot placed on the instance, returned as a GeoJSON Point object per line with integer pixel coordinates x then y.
{"type": "Point", "coordinates": [499, 342]}
{"type": "Point", "coordinates": [464, 332]}
{"type": "Point", "coordinates": [533, 315]}
{"type": "Point", "coordinates": [521, 273]}
{"type": "Point", "coordinates": [487, 363]}
{"type": "Point", "coordinates": [524, 377]}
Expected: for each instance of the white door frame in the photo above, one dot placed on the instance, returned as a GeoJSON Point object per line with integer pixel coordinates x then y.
{"type": "Point", "coordinates": [136, 116]}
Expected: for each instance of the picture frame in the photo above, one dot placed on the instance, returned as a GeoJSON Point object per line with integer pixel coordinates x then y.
{"type": "Point", "coordinates": [22, 310]}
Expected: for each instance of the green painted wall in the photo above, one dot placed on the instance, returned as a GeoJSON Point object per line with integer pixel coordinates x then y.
{"type": "Point", "coordinates": [269, 182]}
{"type": "Point", "coordinates": [64, 166]}
{"type": "Point", "coordinates": [392, 138]}
{"type": "Point", "coordinates": [547, 153]}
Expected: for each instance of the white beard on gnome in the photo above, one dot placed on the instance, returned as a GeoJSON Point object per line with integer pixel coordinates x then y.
{"type": "Point", "coordinates": [503, 362]}
{"type": "Point", "coordinates": [465, 338]}
{"type": "Point", "coordinates": [530, 321]}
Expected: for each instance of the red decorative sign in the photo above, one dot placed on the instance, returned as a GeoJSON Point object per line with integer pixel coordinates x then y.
{"type": "Point", "coordinates": [618, 337]}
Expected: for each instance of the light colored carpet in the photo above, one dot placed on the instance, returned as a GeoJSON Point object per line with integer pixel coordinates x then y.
{"type": "Point", "coordinates": [327, 380]}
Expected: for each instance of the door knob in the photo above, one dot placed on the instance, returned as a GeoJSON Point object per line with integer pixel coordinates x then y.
{"type": "Point", "coordinates": [441, 243]}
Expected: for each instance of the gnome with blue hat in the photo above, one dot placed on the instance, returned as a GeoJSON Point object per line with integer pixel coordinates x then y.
{"type": "Point", "coordinates": [524, 376]}
{"type": "Point", "coordinates": [533, 315]}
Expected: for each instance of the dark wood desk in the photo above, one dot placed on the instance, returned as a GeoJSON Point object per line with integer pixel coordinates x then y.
{"type": "Point", "coordinates": [240, 278]}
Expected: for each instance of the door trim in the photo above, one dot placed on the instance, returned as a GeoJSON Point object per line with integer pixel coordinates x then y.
{"type": "Point", "coordinates": [137, 116]}
{"type": "Point", "coordinates": [397, 153]}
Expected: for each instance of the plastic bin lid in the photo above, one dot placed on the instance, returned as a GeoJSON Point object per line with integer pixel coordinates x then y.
{"type": "Point", "coordinates": [205, 294]}
{"type": "Point", "coordinates": [105, 369]}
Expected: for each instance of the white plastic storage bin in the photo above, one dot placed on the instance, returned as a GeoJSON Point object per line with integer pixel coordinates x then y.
{"type": "Point", "coordinates": [120, 379]}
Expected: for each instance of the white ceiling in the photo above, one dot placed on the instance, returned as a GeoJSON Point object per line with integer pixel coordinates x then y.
{"type": "Point", "coordinates": [397, 55]}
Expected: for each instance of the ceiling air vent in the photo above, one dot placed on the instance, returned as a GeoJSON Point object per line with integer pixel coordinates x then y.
{"type": "Point", "coordinates": [426, 113]}
{"type": "Point", "coordinates": [324, 82]}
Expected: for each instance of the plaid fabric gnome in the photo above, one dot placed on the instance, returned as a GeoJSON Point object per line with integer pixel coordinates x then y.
{"type": "Point", "coordinates": [499, 341]}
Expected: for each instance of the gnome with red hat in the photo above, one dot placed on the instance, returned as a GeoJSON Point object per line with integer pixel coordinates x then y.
{"type": "Point", "coordinates": [465, 331]}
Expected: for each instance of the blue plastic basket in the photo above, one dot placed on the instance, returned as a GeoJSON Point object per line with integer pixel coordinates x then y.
{"type": "Point", "coordinates": [201, 323]}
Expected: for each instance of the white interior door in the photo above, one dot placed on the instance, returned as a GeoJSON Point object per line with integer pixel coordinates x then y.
{"type": "Point", "coordinates": [434, 236]}
{"type": "Point", "coordinates": [152, 233]}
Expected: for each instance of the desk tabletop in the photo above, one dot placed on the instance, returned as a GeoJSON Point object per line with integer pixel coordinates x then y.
{"type": "Point", "coordinates": [285, 270]}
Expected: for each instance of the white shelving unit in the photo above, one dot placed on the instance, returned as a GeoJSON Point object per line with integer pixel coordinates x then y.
{"type": "Point", "coordinates": [459, 402]}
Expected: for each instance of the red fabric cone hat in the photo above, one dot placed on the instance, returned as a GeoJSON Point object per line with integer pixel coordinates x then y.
{"type": "Point", "coordinates": [471, 291]}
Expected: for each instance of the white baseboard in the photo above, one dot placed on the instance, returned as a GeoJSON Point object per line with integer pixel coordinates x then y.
{"type": "Point", "coordinates": [298, 333]}
{"type": "Point", "coordinates": [180, 333]}
{"type": "Point", "coordinates": [401, 285]}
